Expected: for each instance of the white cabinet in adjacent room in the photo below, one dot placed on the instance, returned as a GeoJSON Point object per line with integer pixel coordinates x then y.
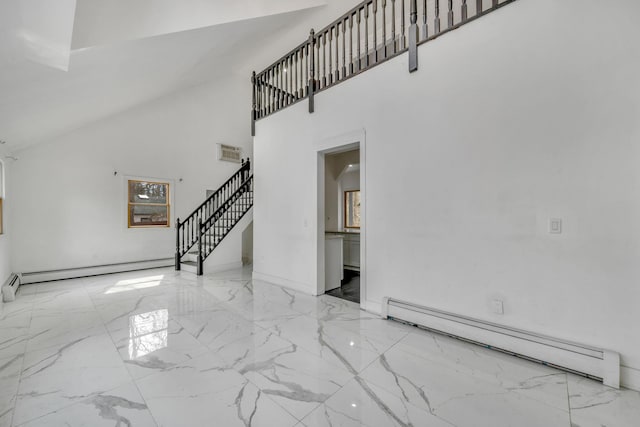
{"type": "Point", "coordinates": [351, 250]}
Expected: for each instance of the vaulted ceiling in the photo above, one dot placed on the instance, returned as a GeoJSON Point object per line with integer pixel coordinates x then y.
{"type": "Point", "coordinates": [67, 63]}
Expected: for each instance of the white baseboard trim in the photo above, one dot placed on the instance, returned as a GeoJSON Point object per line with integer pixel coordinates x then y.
{"type": "Point", "coordinates": [222, 267]}
{"type": "Point", "coordinates": [73, 273]}
{"type": "Point", "coordinates": [285, 283]}
{"type": "Point", "coordinates": [373, 307]}
{"type": "Point", "coordinates": [630, 378]}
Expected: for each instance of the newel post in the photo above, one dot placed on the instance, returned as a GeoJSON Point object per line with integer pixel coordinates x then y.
{"type": "Point", "coordinates": [413, 37]}
{"type": "Point", "coordinates": [200, 261]}
{"type": "Point", "coordinates": [312, 69]}
{"type": "Point", "coordinates": [254, 107]}
{"type": "Point", "coordinates": [177, 244]}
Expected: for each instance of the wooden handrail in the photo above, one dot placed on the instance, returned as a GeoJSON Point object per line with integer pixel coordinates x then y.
{"type": "Point", "coordinates": [342, 49]}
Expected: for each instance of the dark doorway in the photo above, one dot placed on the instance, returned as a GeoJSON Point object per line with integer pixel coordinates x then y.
{"type": "Point", "coordinates": [349, 287]}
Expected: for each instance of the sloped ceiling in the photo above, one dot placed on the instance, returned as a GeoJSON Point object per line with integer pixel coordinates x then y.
{"type": "Point", "coordinates": [67, 65]}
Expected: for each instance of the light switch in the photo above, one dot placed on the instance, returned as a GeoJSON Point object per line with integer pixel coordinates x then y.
{"type": "Point", "coordinates": [555, 226]}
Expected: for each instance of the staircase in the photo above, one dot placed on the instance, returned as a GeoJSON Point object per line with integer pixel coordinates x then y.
{"type": "Point", "coordinates": [201, 233]}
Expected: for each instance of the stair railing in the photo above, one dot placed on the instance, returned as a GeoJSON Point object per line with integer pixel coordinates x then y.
{"type": "Point", "coordinates": [235, 207]}
{"type": "Point", "coordinates": [370, 34]}
{"type": "Point", "coordinates": [188, 232]}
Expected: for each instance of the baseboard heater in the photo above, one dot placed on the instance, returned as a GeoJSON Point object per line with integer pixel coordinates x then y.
{"type": "Point", "coordinates": [10, 288]}
{"type": "Point", "coordinates": [594, 362]}
{"type": "Point", "coordinates": [96, 270]}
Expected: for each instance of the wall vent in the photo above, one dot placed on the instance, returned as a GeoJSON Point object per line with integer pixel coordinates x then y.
{"type": "Point", "coordinates": [229, 153]}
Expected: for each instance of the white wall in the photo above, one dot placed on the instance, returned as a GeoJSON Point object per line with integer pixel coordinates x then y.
{"type": "Point", "coordinates": [530, 113]}
{"type": "Point", "coordinates": [69, 209]}
{"type": "Point", "coordinates": [5, 237]}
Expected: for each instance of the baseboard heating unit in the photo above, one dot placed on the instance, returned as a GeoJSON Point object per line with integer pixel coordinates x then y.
{"type": "Point", "coordinates": [10, 288]}
{"type": "Point", "coordinates": [594, 362]}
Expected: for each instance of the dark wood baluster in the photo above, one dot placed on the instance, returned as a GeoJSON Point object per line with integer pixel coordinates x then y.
{"type": "Point", "coordinates": [494, 3]}
{"type": "Point", "coordinates": [393, 26]}
{"type": "Point", "coordinates": [464, 12]}
{"type": "Point", "coordinates": [272, 88]}
{"type": "Point", "coordinates": [282, 82]}
{"type": "Point", "coordinates": [375, 31]}
{"type": "Point", "coordinates": [282, 88]}
{"type": "Point", "coordinates": [403, 27]}
{"type": "Point", "coordinates": [478, 7]}
{"type": "Point", "coordinates": [292, 81]}
{"type": "Point", "coordinates": [366, 35]}
{"type": "Point", "coordinates": [308, 67]}
{"type": "Point", "coordinates": [359, 48]}
{"type": "Point", "coordinates": [288, 74]}
{"type": "Point", "coordinates": [351, 44]}
{"type": "Point", "coordinates": [425, 24]}
{"type": "Point", "coordinates": [384, 29]}
{"type": "Point", "coordinates": [278, 87]}
{"type": "Point", "coordinates": [450, 14]}
{"type": "Point", "coordinates": [344, 48]}
{"type": "Point", "coordinates": [269, 93]}
{"type": "Point", "coordinates": [436, 22]}
{"type": "Point", "coordinates": [274, 93]}
{"type": "Point", "coordinates": [287, 80]}
{"type": "Point", "coordinates": [337, 78]}
{"type": "Point", "coordinates": [330, 32]}
{"type": "Point", "coordinates": [299, 93]}
{"type": "Point", "coordinates": [324, 59]}
{"type": "Point", "coordinates": [183, 234]}
{"type": "Point", "coordinates": [311, 89]}
{"type": "Point", "coordinates": [276, 81]}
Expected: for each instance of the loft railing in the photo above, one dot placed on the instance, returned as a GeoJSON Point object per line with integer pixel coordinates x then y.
{"type": "Point", "coordinates": [190, 231]}
{"type": "Point", "coordinates": [369, 34]}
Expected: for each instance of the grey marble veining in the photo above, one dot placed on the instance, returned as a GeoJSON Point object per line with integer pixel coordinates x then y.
{"type": "Point", "coordinates": [165, 348]}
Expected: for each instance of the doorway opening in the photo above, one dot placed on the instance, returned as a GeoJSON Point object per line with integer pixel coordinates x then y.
{"type": "Point", "coordinates": [343, 223]}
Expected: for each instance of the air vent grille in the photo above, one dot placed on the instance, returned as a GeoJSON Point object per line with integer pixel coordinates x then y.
{"type": "Point", "coordinates": [229, 153]}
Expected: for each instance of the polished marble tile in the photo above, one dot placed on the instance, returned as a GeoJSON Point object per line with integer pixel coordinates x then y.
{"type": "Point", "coordinates": [294, 378]}
{"type": "Point", "coordinates": [263, 314]}
{"type": "Point", "coordinates": [510, 373]}
{"type": "Point", "coordinates": [122, 406]}
{"type": "Point", "coordinates": [218, 327]}
{"type": "Point", "coordinates": [10, 369]}
{"type": "Point", "coordinates": [362, 404]}
{"type": "Point", "coordinates": [58, 328]}
{"type": "Point", "coordinates": [167, 347]}
{"type": "Point", "coordinates": [56, 377]}
{"type": "Point", "coordinates": [202, 392]}
{"type": "Point", "coordinates": [154, 343]}
{"type": "Point", "coordinates": [594, 405]}
{"type": "Point", "coordinates": [339, 346]}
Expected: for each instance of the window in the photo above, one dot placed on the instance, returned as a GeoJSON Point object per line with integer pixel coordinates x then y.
{"type": "Point", "coordinates": [148, 204]}
{"type": "Point", "coordinates": [352, 209]}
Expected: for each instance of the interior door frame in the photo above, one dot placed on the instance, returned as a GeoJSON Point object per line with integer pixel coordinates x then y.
{"type": "Point", "coordinates": [337, 144]}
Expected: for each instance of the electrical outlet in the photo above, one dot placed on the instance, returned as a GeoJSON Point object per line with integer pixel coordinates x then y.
{"type": "Point", "coordinates": [555, 226]}
{"type": "Point", "coordinates": [497, 306]}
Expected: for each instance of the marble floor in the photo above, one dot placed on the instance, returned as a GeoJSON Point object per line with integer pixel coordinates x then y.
{"type": "Point", "coordinates": [160, 348]}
